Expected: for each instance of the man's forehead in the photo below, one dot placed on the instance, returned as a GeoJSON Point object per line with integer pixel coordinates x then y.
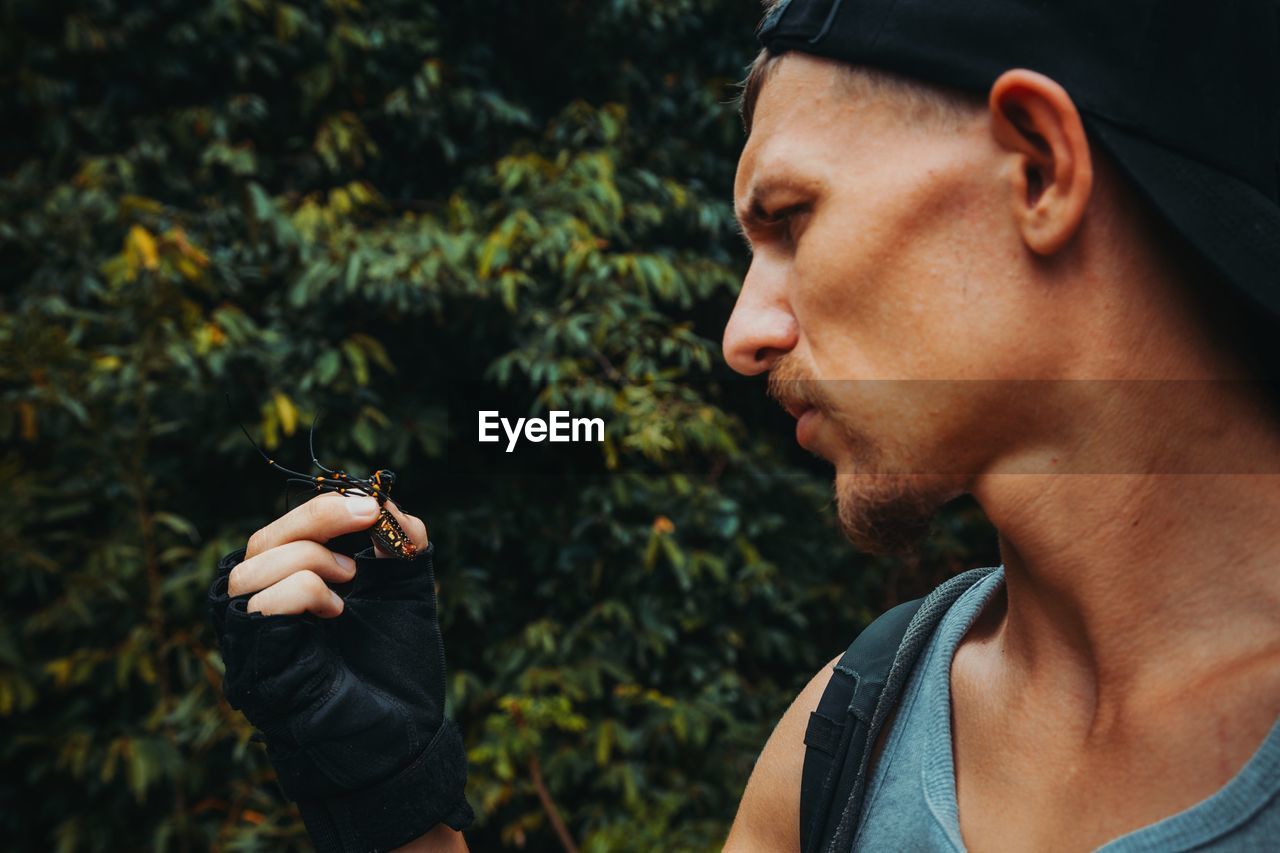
{"type": "Point", "coordinates": [796, 107]}
{"type": "Point", "coordinates": [779, 159]}
{"type": "Point", "coordinates": [771, 156]}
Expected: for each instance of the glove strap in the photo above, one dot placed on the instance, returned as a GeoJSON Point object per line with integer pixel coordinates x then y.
{"type": "Point", "coordinates": [396, 811]}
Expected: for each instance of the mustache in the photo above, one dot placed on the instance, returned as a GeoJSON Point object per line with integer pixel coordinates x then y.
{"type": "Point", "coordinates": [791, 384]}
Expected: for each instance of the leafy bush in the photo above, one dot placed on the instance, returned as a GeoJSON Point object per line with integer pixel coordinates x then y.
{"type": "Point", "coordinates": [385, 210]}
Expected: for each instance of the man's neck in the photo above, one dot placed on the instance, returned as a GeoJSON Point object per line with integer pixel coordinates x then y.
{"type": "Point", "coordinates": [1111, 576]}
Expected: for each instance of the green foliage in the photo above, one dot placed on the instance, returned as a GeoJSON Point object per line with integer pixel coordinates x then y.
{"type": "Point", "coordinates": [357, 206]}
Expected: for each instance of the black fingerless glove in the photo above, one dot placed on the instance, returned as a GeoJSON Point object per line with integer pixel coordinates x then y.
{"type": "Point", "coordinates": [352, 708]}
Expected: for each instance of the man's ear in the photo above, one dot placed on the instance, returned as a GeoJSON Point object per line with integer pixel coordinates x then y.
{"type": "Point", "coordinates": [1034, 120]}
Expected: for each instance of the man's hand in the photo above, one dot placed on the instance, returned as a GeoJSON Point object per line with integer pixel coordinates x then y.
{"type": "Point", "coordinates": [348, 693]}
{"type": "Point", "coordinates": [286, 563]}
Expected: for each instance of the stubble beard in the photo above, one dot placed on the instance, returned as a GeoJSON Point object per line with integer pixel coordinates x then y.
{"type": "Point", "coordinates": [880, 511]}
{"type": "Point", "coordinates": [885, 515]}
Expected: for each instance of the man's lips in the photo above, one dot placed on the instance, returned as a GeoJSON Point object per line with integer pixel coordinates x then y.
{"type": "Point", "coordinates": [807, 428]}
{"type": "Point", "coordinates": [806, 422]}
{"type": "Point", "coordinates": [796, 410]}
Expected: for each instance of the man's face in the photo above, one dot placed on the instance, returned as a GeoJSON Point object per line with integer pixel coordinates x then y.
{"type": "Point", "coordinates": [883, 255]}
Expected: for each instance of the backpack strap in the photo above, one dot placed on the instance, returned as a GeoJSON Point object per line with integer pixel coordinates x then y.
{"type": "Point", "coordinates": [853, 708]}
{"type": "Point", "coordinates": [839, 725]}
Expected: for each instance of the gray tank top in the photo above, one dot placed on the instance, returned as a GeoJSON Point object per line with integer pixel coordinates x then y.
{"type": "Point", "coordinates": [911, 796]}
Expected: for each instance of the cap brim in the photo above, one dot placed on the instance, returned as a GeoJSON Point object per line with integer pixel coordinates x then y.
{"type": "Point", "coordinates": [1231, 224]}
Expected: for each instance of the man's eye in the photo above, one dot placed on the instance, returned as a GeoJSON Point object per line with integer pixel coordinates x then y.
{"type": "Point", "coordinates": [784, 221]}
{"type": "Point", "coordinates": [775, 218]}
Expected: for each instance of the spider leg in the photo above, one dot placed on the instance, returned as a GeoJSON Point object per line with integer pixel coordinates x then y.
{"type": "Point", "coordinates": [311, 443]}
{"type": "Point", "coordinates": [358, 482]}
{"type": "Point", "coordinates": [324, 484]}
{"type": "Point", "coordinates": [341, 476]}
{"type": "Point", "coordinates": [262, 452]}
{"type": "Point", "coordinates": [270, 461]}
{"type": "Point", "coordinates": [352, 482]}
{"type": "Point", "coordinates": [332, 481]}
{"type": "Point", "coordinates": [321, 487]}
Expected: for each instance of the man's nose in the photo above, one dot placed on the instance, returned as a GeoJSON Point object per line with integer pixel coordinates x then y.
{"type": "Point", "coordinates": [762, 328]}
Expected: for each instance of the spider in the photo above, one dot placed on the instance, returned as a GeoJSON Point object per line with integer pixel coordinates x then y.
{"type": "Point", "coordinates": [386, 531]}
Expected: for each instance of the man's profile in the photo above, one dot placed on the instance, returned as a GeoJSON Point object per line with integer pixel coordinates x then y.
{"type": "Point", "coordinates": [959, 294]}
{"type": "Point", "coordinates": [1028, 254]}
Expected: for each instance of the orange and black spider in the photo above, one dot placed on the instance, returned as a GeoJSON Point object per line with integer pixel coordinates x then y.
{"type": "Point", "coordinates": [386, 531]}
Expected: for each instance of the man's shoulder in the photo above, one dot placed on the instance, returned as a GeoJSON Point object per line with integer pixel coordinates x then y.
{"type": "Point", "coordinates": [769, 814]}
{"type": "Point", "coordinates": [768, 817]}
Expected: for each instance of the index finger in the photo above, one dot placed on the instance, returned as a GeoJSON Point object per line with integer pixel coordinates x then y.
{"type": "Point", "coordinates": [319, 520]}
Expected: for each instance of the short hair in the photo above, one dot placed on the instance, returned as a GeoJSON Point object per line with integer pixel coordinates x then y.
{"type": "Point", "coordinates": [933, 105]}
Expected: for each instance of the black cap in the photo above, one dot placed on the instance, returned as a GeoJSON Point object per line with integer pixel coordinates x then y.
{"type": "Point", "coordinates": [1184, 95]}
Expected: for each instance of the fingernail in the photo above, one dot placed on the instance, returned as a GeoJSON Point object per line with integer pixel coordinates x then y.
{"type": "Point", "coordinates": [345, 562]}
{"type": "Point", "coordinates": [363, 508]}
{"type": "Point", "coordinates": [337, 600]}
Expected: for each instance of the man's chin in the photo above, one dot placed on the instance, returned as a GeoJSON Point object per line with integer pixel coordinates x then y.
{"type": "Point", "coordinates": [887, 515]}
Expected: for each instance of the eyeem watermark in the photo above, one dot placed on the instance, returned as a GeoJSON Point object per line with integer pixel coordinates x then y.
{"type": "Point", "coordinates": [559, 427]}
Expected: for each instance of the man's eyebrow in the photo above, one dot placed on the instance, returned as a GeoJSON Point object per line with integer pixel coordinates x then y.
{"type": "Point", "coordinates": [751, 214]}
